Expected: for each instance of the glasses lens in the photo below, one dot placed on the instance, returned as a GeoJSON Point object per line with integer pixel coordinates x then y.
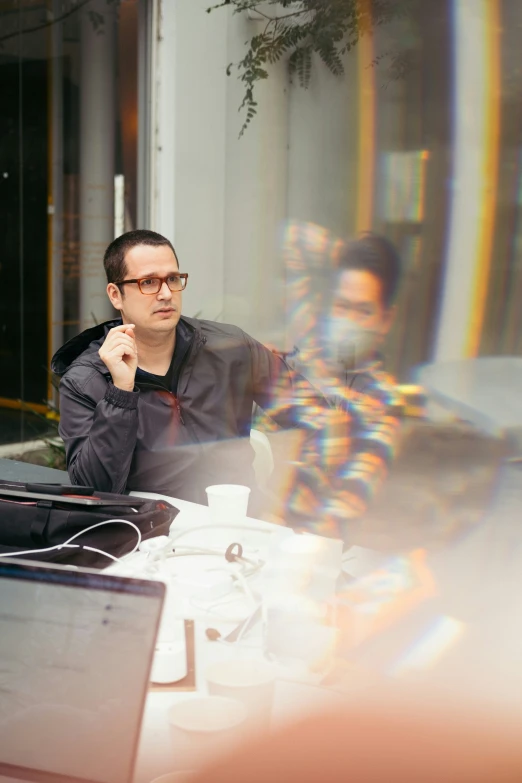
{"type": "Point", "coordinates": [150, 286]}
{"type": "Point", "coordinates": [176, 283]}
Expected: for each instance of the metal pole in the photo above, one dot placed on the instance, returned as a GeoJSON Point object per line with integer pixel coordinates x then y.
{"type": "Point", "coordinates": [97, 140]}
{"type": "Point", "coordinates": [55, 195]}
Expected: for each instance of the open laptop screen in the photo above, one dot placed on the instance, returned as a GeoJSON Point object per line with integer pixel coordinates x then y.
{"type": "Point", "coordinates": [75, 654]}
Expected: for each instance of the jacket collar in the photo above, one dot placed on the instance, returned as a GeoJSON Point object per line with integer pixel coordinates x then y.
{"type": "Point", "coordinates": [83, 349]}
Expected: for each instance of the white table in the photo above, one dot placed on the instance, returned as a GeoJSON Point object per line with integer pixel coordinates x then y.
{"type": "Point", "coordinates": [296, 694]}
{"type": "Point", "coordinates": [481, 576]}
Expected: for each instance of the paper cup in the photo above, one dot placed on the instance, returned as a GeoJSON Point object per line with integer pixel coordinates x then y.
{"type": "Point", "coordinates": [203, 728]}
{"type": "Point", "coordinates": [249, 681]}
{"type": "Point", "coordinates": [228, 503]}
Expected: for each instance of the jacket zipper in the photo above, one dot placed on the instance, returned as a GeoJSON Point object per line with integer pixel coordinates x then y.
{"type": "Point", "coordinates": [169, 391]}
{"type": "Point", "coordinates": [190, 351]}
{"type": "Point", "coordinates": [182, 420]}
{"type": "Point", "coordinates": [202, 341]}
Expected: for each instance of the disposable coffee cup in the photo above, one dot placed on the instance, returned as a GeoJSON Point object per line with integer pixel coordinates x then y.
{"type": "Point", "coordinates": [250, 682]}
{"type": "Point", "coordinates": [228, 503]}
{"type": "Point", "coordinates": [203, 728]}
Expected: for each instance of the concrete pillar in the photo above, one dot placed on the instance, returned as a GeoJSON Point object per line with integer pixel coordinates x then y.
{"type": "Point", "coordinates": [256, 195]}
{"type": "Point", "coordinates": [97, 140]}
{"type": "Point", "coordinates": [219, 198]}
{"type": "Point", "coordinates": [55, 195]}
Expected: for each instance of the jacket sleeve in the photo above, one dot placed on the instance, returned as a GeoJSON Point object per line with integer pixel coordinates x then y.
{"type": "Point", "coordinates": [346, 449]}
{"type": "Point", "coordinates": [309, 253]}
{"type": "Point", "coordinates": [372, 434]}
{"type": "Point", "coordinates": [99, 430]}
{"type": "Point", "coordinates": [283, 394]}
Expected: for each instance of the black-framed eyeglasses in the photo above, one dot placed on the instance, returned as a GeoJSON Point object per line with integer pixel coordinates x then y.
{"type": "Point", "coordinates": [152, 285]}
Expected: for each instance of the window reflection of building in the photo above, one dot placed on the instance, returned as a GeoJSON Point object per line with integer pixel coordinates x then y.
{"type": "Point", "coordinates": [337, 154]}
{"type": "Point", "coordinates": [68, 127]}
{"type": "Point", "coordinates": [502, 331]}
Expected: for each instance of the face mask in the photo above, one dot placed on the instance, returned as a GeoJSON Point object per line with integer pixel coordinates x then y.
{"type": "Point", "coordinates": [348, 344]}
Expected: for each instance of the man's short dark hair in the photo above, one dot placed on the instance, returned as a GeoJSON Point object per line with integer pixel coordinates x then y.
{"type": "Point", "coordinates": [114, 258]}
{"type": "Point", "coordinates": [375, 254]}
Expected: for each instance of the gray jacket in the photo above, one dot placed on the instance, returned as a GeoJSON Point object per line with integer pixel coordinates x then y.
{"type": "Point", "coordinates": [156, 440]}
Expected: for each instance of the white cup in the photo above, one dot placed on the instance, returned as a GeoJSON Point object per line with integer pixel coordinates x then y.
{"type": "Point", "coordinates": [169, 663]}
{"type": "Point", "coordinates": [203, 728]}
{"type": "Point", "coordinates": [228, 503]}
{"type": "Point", "coordinates": [251, 682]}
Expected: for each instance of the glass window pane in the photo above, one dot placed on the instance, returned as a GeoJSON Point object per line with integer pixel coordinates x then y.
{"type": "Point", "coordinates": [68, 80]}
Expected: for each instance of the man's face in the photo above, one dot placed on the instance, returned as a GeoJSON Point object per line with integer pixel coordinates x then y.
{"type": "Point", "coordinates": [358, 298]}
{"type": "Point", "coordinates": [149, 312]}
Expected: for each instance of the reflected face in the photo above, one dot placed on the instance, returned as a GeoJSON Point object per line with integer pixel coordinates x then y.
{"type": "Point", "coordinates": [149, 312]}
{"type": "Point", "coordinates": [358, 298]}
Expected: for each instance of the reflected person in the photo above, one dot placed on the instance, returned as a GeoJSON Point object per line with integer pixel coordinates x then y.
{"type": "Point", "coordinates": [340, 307]}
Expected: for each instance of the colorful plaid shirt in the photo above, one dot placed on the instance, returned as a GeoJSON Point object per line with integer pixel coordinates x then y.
{"type": "Point", "coordinates": [350, 441]}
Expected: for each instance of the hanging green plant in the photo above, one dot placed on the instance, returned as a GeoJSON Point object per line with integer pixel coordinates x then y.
{"type": "Point", "coordinates": [297, 31]}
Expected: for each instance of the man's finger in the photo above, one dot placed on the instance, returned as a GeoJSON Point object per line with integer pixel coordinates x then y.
{"type": "Point", "coordinates": [119, 351]}
{"type": "Point", "coordinates": [119, 336]}
{"type": "Point", "coordinates": [121, 328]}
{"type": "Point", "coordinates": [120, 339]}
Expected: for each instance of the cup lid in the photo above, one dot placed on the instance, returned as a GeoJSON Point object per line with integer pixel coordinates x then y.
{"type": "Point", "coordinates": [228, 489]}
{"type": "Point", "coordinates": [207, 714]}
{"type": "Point", "coordinates": [240, 673]}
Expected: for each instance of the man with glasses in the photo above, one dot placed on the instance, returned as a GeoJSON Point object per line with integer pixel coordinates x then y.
{"type": "Point", "coordinates": [156, 401]}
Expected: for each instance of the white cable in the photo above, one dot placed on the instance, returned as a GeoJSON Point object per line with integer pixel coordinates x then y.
{"type": "Point", "coordinates": [195, 550]}
{"type": "Point", "coordinates": [201, 550]}
{"type": "Point", "coordinates": [109, 522]}
{"type": "Point", "coordinates": [65, 546]}
{"type": "Point", "coordinates": [246, 589]}
{"type": "Point", "coordinates": [36, 551]}
{"type": "Point", "coordinates": [76, 535]}
{"type": "Point", "coordinates": [244, 572]}
{"type": "Point", "coordinates": [246, 627]}
{"type": "Point", "coordinates": [212, 609]}
{"type": "Point", "coordinates": [100, 552]}
{"type": "Point", "coordinates": [229, 598]}
{"type": "Point", "coordinates": [240, 527]}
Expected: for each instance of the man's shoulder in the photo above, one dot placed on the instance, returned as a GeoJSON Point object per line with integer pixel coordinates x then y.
{"type": "Point", "coordinates": [217, 330]}
{"type": "Point", "coordinates": [81, 351]}
{"type": "Point", "coordinates": [87, 376]}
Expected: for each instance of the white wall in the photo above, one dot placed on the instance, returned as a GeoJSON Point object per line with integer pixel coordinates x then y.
{"type": "Point", "coordinates": [221, 198]}
{"type": "Point", "coordinates": [230, 195]}
{"type": "Point", "coordinates": [256, 193]}
{"type": "Point", "coordinates": [190, 145]}
{"type": "Point", "coordinates": [323, 145]}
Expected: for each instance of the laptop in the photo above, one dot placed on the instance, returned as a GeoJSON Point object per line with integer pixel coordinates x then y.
{"type": "Point", "coordinates": [76, 650]}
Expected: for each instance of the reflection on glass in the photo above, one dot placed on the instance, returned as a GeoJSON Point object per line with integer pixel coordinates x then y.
{"type": "Point", "coordinates": [68, 80]}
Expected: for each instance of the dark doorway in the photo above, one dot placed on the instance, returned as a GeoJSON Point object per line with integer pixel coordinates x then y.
{"type": "Point", "coordinates": [23, 238]}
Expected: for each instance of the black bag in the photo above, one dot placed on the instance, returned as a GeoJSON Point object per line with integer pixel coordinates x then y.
{"type": "Point", "coordinates": [39, 516]}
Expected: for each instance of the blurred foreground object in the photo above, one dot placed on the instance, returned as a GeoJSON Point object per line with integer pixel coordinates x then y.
{"type": "Point", "coordinates": [387, 741]}
{"type": "Point", "coordinates": [442, 482]}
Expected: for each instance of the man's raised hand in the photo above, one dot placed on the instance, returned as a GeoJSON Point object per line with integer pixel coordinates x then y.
{"type": "Point", "coordinates": [120, 355]}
